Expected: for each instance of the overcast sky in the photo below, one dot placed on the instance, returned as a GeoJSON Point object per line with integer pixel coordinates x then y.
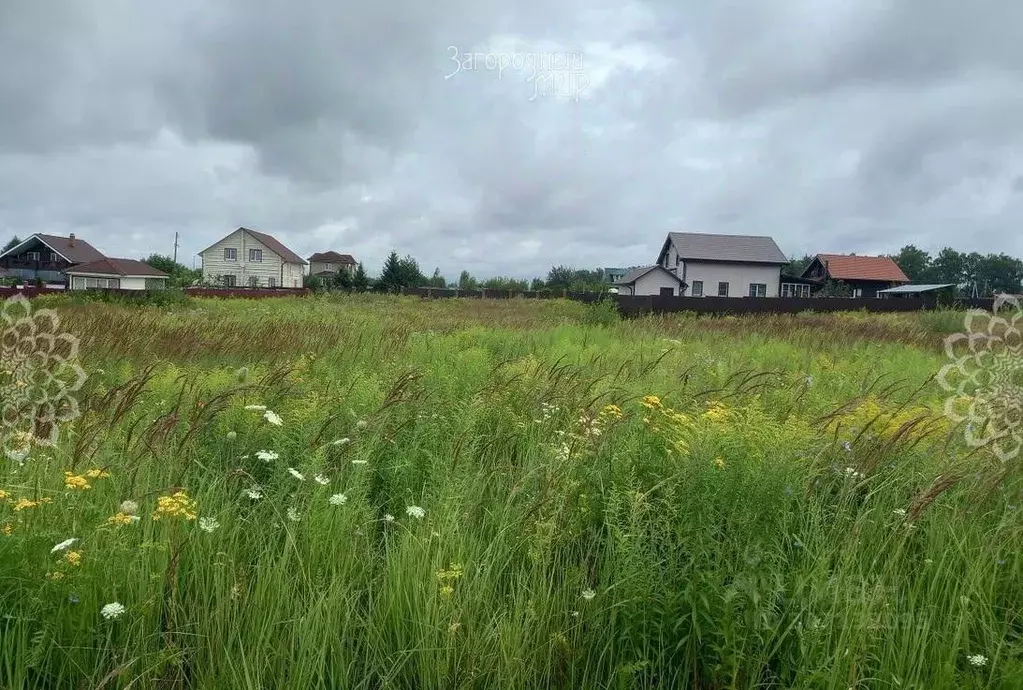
{"type": "Point", "coordinates": [831, 125]}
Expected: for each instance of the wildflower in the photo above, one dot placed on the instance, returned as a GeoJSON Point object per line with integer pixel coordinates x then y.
{"type": "Point", "coordinates": [23, 503]}
{"type": "Point", "coordinates": [611, 412]}
{"type": "Point", "coordinates": [254, 492]}
{"type": "Point", "coordinates": [296, 474]}
{"type": "Point", "coordinates": [453, 628]}
{"type": "Point", "coordinates": [208, 524]}
{"type": "Point", "coordinates": [7, 529]}
{"type": "Point", "coordinates": [359, 462]}
{"type": "Point", "coordinates": [588, 594]}
{"type": "Point", "coordinates": [232, 435]}
{"type": "Point", "coordinates": [97, 474]}
{"type": "Point", "coordinates": [63, 545]}
{"type": "Point", "coordinates": [294, 515]}
{"type": "Point", "coordinates": [341, 442]}
{"type": "Point", "coordinates": [337, 500]}
{"type": "Point", "coordinates": [719, 463]}
{"type": "Point", "coordinates": [809, 381]}
{"type": "Point", "coordinates": [651, 402]}
{"type": "Point", "coordinates": [899, 511]}
{"type": "Point", "coordinates": [977, 660]}
{"type": "Point", "coordinates": [73, 558]}
{"type": "Point", "coordinates": [113, 610]}
{"type": "Point", "coordinates": [4, 495]}
{"type": "Point", "coordinates": [928, 561]}
{"type": "Point", "coordinates": [72, 598]}
{"type": "Point", "coordinates": [388, 517]}
{"type": "Point", "coordinates": [574, 614]}
{"type": "Point", "coordinates": [256, 408]}
{"type": "Point", "coordinates": [716, 412]}
{"type": "Point", "coordinates": [266, 455]}
{"type": "Point", "coordinates": [128, 508]}
{"type": "Point", "coordinates": [848, 446]}
{"type": "Point", "coordinates": [454, 572]}
{"type": "Point", "coordinates": [446, 591]}
{"type": "Point", "coordinates": [122, 519]}
{"type": "Point", "coordinates": [273, 418]}
{"type": "Point", "coordinates": [56, 575]}
{"type": "Point", "coordinates": [851, 473]}
{"type": "Point", "coordinates": [361, 424]}
{"type": "Point", "coordinates": [322, 480]}
{"type": "Point", "coordinates": [76, 482]}
{"type": "Point", "coordinates": [415, 512]}
{"type": "Point", "coordinates": [176, 505]}
{"type": "Point", "coordinates": [18, 455]}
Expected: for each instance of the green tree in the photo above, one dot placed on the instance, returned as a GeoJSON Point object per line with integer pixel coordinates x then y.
{"type": "Point", "coordinates": [467, 282]}
{"type": "Point", "coordinates": [360, 280]}
{"type": "Point", "coordinates": [180, 275]}
{"type": "Point", "coordinates": [915, 263]}
{"type": "Point", "coordinates": [13, 242]}
{"type": "Point", "coordinates": [409, 273]}
{"type": "Point", "coordinates": [796, 266]}
{"type": "Point", "coordinates": [437, 280]}
{"type": "Point", "coordinates": [391, 275]}
{"type": "Point", "coordinates": [949, 266]}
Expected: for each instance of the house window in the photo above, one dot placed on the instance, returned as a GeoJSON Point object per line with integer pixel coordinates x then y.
{"type": "Point", "coordinates": [857, 293]}
{"type": "Point", "coordinates": [722, 289]}
{"type": "Point", "coordinates": [230, 254]}
{"type": "Point", "coordinates": [253, 281]}
{"type": "Point", "coordinates": [795, 290]}
{"type": "Point", "coordinates": [757, 290]}
{"type": "Point", "coordinates": [230, 281]}
{"type": "Point", "coordinates": [271, 282]}
{"type": "Point", "coordinates": [255, 255]}
{"type": "Point", "coordinates": [697, 288]}
{"type": "Point", "coordinates": [32, 256]}
{"type": "Point", "coordinates": [328, 267]}
{"type": "Point", "coordinates": [667, 292]}
{"type": "Point", "coordinates": [53, 257]}
{"type": "Point", "coordinates": [102, 283]}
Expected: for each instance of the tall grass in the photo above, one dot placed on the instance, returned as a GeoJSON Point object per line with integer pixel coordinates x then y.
{"type": "Point", "coordinates": [672, 503]}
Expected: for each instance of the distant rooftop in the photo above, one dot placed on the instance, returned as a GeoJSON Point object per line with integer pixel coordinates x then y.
{"type": "Point", "coordinates": [911, 289]}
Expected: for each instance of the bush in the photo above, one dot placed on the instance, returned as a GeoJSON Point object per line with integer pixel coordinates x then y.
{"type": "Point", "coordinates": [603, 313]}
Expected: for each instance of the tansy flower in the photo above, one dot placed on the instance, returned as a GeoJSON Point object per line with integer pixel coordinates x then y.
{"type": "Point", "coordinates": [337, 500]}
{"type": "Point", "coordinates": [322, 480]}
{"type": "Point", "coordinates": [273, 418]}
{"type": "Point", "coordinates": [176, 505]}
{"type": "Point", "coordinates": [719, 463]}
{"type": "Point", "coordinates": [122, 519]}
{"type": "Point", "coordinates": [415, 512]}
{"type": "Point", "coordinates": [113, 610]}
{"type": "Point", "coordinates": [208, 524]}
{"type": "Point", "coordinates": [651, 402]}
{"type": "Point", "coordinates": [4, 495]}
{"type": "Point", "coordinates": [57, 575]}
{"type": "Point", "coordinates": [296, 474]}
{"type": "Point", "coordinates": [7, 529]}
{"type": "Point", "coordinates": [23, 503]}
{"type": "Point", "coordinates": [76, 482]}
{"type": "Point", "coordinates": [97, 474]}
{"type": "Point", "coordinates": [73, 558]}
{"type": "Point", "coordinates": [63, 545]}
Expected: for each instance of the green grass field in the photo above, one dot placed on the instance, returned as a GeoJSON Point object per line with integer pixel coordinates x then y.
{"type": "Point", "coordinates": [506, 494]}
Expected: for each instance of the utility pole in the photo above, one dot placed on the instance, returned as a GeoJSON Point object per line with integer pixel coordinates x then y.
{"type": "Point", "coordinates": [175, 247]}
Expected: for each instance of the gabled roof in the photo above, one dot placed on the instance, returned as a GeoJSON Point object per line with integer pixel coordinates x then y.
{"type": "Point", "coordinates": [80, 252]}
{"type": "Point", "coordinates": [637, 273]}
{"type": "Point", "coordinates": [699, 246]}
{"type": "Point", "coordinates": [118, 267]}
{"type": "Point", "coordinates": [852, 267]}
{"type": "Point", "coordinates": [332, 257]}
{"type": "Point", "coordinates": [269, 241]}
{"type": "Point", "coordinates": [912, 289]}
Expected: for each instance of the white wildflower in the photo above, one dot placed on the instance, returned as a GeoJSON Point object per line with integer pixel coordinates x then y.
{"type": "Point", "coordinates": [294, 515]}
{"type": "Point", "coordinates": [208, 524]}
{"type": "Point", "coordinates": [321, 479]}
{"type": "Point", "coordinates": [415, 512]}
{"type": "Point", "coordinates": [588, 594]}
{"type": "Point", "coordinates": [128, 507]}
{"type": "Point", "coordinates": [273, 418]}
{"type": "Point", "coordinates": [899, 511]}
{"type": "Point", "coordinates": [267, 455]}
{"type": "Point", "coordinates": [359, 462]}
{"type": "Point", "coordinates": [256, 408]}
{"type": "Point", "coordinates": [254, 492]}
{"type": "Point", "coordinates": [64, 544]}
{"type": "Point", "coordinates": [388, 517]}
{"type": "Point", "coordinates": [977, 659]}
{"type": "Point", "coordinates": [341, 442]}
{"type": "Point", "coordinates": [361, 424]}
{"type": "Point", "coordinates": [17, 455]}
{"type": "Point", "coordinates": [112, 610]}
{"type": "Point", "coordinates": [232, 435]}
{"type": "Point", "coordinates": [337, 500]}
{"type": "Point", "coordinates": [296, 474]}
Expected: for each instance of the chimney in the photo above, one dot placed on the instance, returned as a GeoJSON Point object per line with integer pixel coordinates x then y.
{"type": "Point", "coordinates": [71, 240]}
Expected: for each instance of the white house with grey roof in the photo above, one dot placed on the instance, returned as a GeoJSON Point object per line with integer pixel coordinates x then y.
{"type": "Point", "coordinates": [724, 265]}
{"type": "Point", "coordinates": [650, 280]}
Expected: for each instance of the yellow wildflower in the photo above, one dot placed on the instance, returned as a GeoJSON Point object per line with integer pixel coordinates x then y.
{"type": "Point", "coordinates": [4, 495]}
{"type": "Point", "coordinates": [7, 529]}
{"type": "Point", "coordinates": [23, 503]}
{"type": "Point", "coordinates": [73, 557]}
{"type": "Point", "coordinates": [651, 402]}
{"type": "Point", "coordinates": [57, 575]}
{"type": "Point", "coordinates": [611, 412]}
{"type": "Point", "coordinates": [120, 519]}
{"type": "Point", "coordinates": [97, 474]}
{"type": "Point", "coordinates": [453, 572]}
{"type": "Point", "coordinates": [176, 505]}
{"type": "Point", "coordinates": [447, 591]}
{"type": "Point", "coordinates": [719, 463]}
{"type": "Point", "coordinates": [46, 499]}
{"type": "Point", "coordinates": [76, 482]}
{"type": "Point", "coordinates": [716, 412]}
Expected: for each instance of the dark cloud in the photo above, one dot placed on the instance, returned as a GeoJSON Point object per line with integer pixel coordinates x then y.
{"type": "Point", "coordinates": [832, 126]}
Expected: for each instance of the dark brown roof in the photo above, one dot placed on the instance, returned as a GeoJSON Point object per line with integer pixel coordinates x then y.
{"type": "Point", "coordinates": [851, 267]}
{"type": "Point", "coordinates": [332, 257]}
{"type": "Point", "coordinates": [271, 242]}
{"type": "Point", "coordinates": [118, 267]}
{"type": "Point", "coordinates": [81, 252]}
{"type": "Point", "coordinates": [698, 246]}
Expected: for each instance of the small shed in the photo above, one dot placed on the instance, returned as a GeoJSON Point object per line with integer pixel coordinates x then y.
{"type": "Point", "coordinates": [932, 294]}
{"type": "Point", "coordinates": [650, 280]}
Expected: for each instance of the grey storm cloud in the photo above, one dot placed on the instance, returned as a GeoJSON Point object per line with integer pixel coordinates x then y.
{"type": "Point", "coordinates": [362, 127]}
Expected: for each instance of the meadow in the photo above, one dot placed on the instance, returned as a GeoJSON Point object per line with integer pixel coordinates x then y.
{"type": "Point", "coordinates": [382, 492]}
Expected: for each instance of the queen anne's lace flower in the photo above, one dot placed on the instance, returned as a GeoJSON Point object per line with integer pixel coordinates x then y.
{"type": "Point", "coordinates": [208, 524]}
{"type": "Point", "coordinates": [321, 479]}
{"type": "Point", "coordinates": [296, 474]}
{"type": "Point", "coordinates": [273, 418]}
{"type": "Point", "coordinates": [977, 660]}
{"type": "Point", "coordinates": [415, 512]}
{"type": "Point", "coordinates": [338, 500]}
{"type": "Point", "coordinates": [267, 455]}
{"type": "Point", "coordinates": [294, 515]}
{"type": "Point", "coordinates": [112, 610]}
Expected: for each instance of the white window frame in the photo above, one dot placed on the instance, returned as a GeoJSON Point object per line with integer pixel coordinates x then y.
{"type": "Point", "coordinates": [328, 267]}
{"type": "Point", "coordinates": [230, 280]}
{"type": "Point", "coordinates": [697, 288]}
{"type": "Point", "coordinates": [230, 253]}
{"type": "Point", "coordinates": [256, 256]}
{"type": "Point", "coordinates": [271, 282]}
{"type": "Point", "coordinates": [32, 256]}
{"type": "Point", "coordinates": [800, 290]}
{"type": "Point", "coordinates": [727, 288]}
{"type": "Point", "coordinates": [253, 281]}
{"type": "Point", "coordinates": [758, 289]}
{"type": "Point", "coordinates": [54, 258]}
{"type": "Point", "coordinates": [857, 293]}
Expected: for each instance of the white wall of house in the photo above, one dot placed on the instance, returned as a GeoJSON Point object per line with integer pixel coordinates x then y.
{"type": "Point", "coordinates": [271, 270]}
{"type": "Point", "coordinates": [671, 260]}
{"type": "Point", "coordinates": [83, 282]}
{"type": "Point", "coordinates": [650, 284]}
{"type": "Point", "coordinates": [738, 276]}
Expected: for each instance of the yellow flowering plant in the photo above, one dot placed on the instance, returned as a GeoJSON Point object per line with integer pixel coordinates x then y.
{"type": "Point", "coordinates": [177, 505]}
